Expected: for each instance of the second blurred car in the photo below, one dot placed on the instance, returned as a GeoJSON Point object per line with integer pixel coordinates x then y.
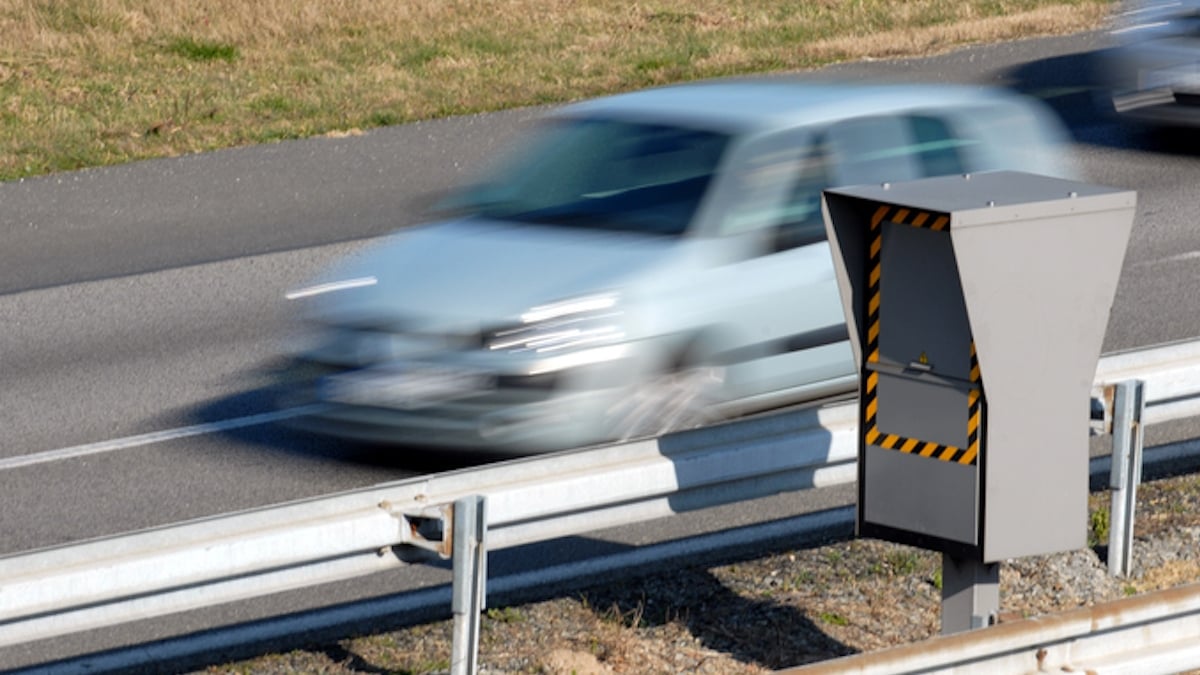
{"type": "Point", "coordinates": [1153, 72]}
{"type": "Point", "coordinates": [644, 263]}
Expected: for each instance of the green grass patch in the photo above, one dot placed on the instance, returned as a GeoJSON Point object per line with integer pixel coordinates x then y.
{"type": "Point", "coordinates": [505, 614]}
{"type": "Point", "coordinates": [1098, 527]}
{"type": "Point", "coordinates": [202, 50]}
{"type": "Point", "coordinates": [834, 619]}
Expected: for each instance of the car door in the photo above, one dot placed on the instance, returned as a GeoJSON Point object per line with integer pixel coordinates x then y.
{"type": "Point", "coordinates": [781, 324]}
{"type": "Point", "coordinates": [783, 311]}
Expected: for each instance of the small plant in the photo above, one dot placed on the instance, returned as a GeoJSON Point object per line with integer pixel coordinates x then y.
{"type": "Point", "coordinates": [505, 615]}
{"type": "Point", "coordinates": [631, 619]}
{"type": "Point", "coordinates": [803, 578]}
{"type": "Point", "coordinates": [1098, 527]}
{"type": "Point", "coordinates": [435, 666]}
{"type": "Point", "coordinates": [936, 579]}
{"type": "Point", "coordinates": [273, 104]}
{"type": "Point", "coordinates": [834, 619]}
{"type": "Point", "coordinates": [202, 50]}
{"type": "Point", "coordinates": [383, 118]}
{"type": "Point", "coordinates": [903, 561]}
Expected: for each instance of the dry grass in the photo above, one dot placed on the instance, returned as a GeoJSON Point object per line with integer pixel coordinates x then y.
{"type": "Point", "coordinates": [1172, 573]}
{"type": "Point", "coordinates": [94, 82]}
{"type": "Point", "coordinates": [923, 40]}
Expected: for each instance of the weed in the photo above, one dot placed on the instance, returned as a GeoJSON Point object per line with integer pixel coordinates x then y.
{"type": "Point", "coordinates": [505, 614]}
{"type": "Point", "coordinates": [1098, 527]}
{"type": "Point", "coordinates": [431, 666]}
{"type": "Point", "coordinates": [202, 50]}
{"type": "Point", "coordinates": [273, 104]}
{"type": "Point", "coordinates": [420, 55]}
{"type": "Point", "coordinates": [903, 561]}
{"type": "Point", "coordinates": [629, 619]}
{"type": "Point", "coordinates": [673, 17]}
{"type": "Point", "coordinates": [834, 619]}
{"type": "Point", "coordinates": [384, 118]}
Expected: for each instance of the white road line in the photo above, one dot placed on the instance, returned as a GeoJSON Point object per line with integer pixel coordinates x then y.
{"type": "Point", "coordinates": [1179, 257]}
{"type": "Point", "coordinates": [154, 437]}
{"type": "Point", "coordinates": [1190, 255]}
{"type": "Point", "coordinates": [331, 287]}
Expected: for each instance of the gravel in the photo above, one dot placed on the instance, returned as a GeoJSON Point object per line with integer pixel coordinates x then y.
{"type": "Point", "coordinates": [783, 609]}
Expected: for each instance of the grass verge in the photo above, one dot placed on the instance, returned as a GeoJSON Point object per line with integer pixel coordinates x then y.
{"type": "Point", "coordinates": [96, 82]}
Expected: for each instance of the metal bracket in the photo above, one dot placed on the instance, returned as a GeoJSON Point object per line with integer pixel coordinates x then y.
{"type": "Point", "coordinates": [1102, 410]}
{"type": "Point", "coordinates": [429, 528]}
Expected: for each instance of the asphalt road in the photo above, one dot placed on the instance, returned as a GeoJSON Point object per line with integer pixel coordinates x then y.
{"type": "Point", "coordinates": [140, 307]}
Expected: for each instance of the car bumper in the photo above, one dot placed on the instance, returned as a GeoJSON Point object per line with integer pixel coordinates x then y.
{"type": "Point", "coordinates": [517, 411]}
{"type": "Point", "coordinates": [556, 423]}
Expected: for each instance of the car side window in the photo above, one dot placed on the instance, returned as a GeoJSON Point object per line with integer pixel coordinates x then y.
{"type": "Point", "coordinates": [897, 148]}
{"type": "Point", "coordinates": [778, 192]}
{"type": "Point", "coordinates": [874, 150]}
{"type": "Point", "coordinates": [936, 146]}
{"type": "Point", "coordinates": [802, 223]}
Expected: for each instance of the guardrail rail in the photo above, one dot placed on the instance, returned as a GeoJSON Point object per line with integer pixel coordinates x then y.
{"type": "Point", "coordinates": [232, 557]}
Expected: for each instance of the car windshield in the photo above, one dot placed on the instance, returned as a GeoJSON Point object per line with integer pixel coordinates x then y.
{"type": "Point", "coordinates": [604, 174]}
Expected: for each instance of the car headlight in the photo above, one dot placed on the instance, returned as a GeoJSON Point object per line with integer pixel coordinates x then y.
{"type": "Point", "coordinates": [573, 324]}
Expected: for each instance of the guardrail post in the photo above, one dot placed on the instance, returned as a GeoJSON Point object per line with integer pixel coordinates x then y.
{"type": "Point", "coordinates": [1129, 402]}
{"type": "Point", "coordinates": [470, 577]}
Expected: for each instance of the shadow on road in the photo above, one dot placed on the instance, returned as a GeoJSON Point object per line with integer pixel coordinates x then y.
{"type": "Point", "coordinates": [277, 437]}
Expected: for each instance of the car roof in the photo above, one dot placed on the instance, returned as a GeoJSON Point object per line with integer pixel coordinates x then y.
{"type": "Point", "coordinates": [748, 105]}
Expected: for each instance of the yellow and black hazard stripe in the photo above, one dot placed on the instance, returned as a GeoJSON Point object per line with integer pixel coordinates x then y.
{"type": "Point", "coordinates": [936, 222]}
{"type": "Point", "coordinates": [946, 453]}
{"type": "Point", "coordinates": [872, 434]}
{"type": "Point", "coordinates": [974, 410]}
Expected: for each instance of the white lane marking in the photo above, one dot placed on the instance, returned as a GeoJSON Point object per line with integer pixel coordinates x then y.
{"type": "Point", "coordinates": [1190, 255]}
{"type": "Point", "coordinates": [1179, 257]}
{"type": "Point", "coordinates": [155, 437]}
{"type": "Point", "coordinates": [331, 287]}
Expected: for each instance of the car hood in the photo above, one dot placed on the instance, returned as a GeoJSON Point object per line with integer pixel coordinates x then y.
{"type": "Point", "coordinates": [467, 274]}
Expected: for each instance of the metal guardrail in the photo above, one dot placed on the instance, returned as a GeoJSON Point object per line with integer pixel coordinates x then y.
{"type": "Point", "coordinates": [1171, 374]}
{"type": "Point", "coordinates": [232, 557]}
{"type": "Point", "coordinates": [1136, 389]}
{"type": "Point", "coordinates": [1152, 633]}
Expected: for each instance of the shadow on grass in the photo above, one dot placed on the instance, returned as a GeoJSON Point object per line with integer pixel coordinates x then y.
{"type": "Point", "coordinates": [761, 632]}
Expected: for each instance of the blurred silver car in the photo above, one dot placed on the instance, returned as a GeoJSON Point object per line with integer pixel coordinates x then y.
{"type": "Point", "coordinates": [1153, 71]}
{"type": "Point", "coordinates": [644, 263]}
